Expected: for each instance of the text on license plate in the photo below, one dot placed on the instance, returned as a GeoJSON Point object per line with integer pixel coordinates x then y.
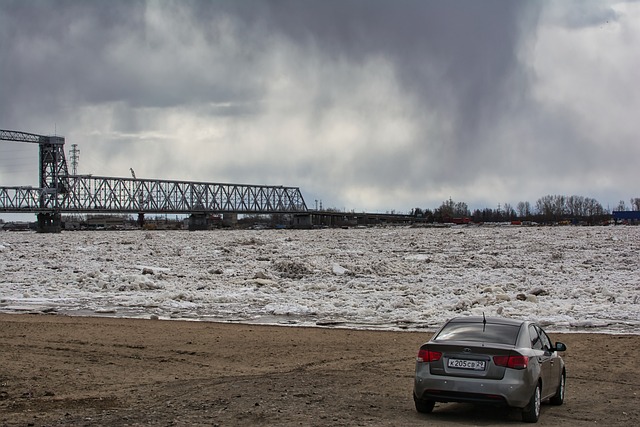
{"type": "Point", "coordinates": [477, 365]}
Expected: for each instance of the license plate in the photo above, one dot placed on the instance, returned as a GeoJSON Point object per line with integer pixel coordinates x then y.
{"type": "Point", "coordinates": [476, 365]}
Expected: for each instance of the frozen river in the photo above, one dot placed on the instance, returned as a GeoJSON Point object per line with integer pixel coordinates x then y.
{"type": "Point", "coordinates": [568, 278]}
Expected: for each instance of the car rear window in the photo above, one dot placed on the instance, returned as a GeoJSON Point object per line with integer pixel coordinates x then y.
{"type": "Point", "coordinates": [491, 332]}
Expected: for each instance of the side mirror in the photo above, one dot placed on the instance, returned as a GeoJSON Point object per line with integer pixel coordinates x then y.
{"type": "Point", "coordinates": [560, 347]}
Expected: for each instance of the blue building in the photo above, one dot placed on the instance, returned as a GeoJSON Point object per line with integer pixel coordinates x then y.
{"type": "Point", "coordinates": [632, 217]}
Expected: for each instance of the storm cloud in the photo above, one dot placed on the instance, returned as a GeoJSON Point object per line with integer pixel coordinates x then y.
{"type": "Point", "coordinates": [365, 105]}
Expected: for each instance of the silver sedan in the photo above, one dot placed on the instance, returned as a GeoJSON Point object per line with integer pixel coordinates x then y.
{"type": "Point", "coordinates": [490, 360]}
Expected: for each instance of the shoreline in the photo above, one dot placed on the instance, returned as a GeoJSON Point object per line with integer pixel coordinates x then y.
{"type": "Point", "coordinates": [300, 322]}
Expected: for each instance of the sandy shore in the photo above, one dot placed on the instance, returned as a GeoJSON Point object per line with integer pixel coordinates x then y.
{"type": "Point", "coordinates": [64, 371]}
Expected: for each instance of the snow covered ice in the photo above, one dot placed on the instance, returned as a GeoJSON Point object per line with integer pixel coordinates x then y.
{"type": "Point", "coordinates": [568, 278]}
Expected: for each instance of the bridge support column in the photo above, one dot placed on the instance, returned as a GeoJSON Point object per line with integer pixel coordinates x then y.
{"type": "Point", "coordinates": [198, 221]}
{"type": "Point", "coordinates": [230, 219]}
{"type": "Point", "coordinates": [141, 219]}
{"type": "Point", "coordinates": [50, 222]}
{"type": "Point", "coordinates": [302, 221]}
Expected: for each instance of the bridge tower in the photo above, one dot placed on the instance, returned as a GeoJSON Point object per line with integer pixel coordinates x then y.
{"type": "Point", "coordinates": [54, 176]}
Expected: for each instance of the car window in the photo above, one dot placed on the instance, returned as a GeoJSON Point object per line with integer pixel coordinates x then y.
{"type": "Point", "coordinates": [546, 342]}
{"type": "Point", "coordinates": [491, 332]}
{"type": "Point", "coordinates": [536, 342]}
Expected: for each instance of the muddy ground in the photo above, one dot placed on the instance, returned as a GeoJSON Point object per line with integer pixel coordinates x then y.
{"type": "Point", "coordinates": [76, 371]}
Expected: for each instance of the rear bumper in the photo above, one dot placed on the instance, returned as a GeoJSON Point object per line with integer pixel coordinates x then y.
{"type": "Point", "coordinates": [458, 396]}
{"type": "Point", "coordinates": [514, 389]}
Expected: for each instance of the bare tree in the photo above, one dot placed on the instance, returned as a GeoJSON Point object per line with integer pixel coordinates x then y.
{"type": "Point", "coordinates": [461, 210]}
{"type": "Point", "coordinates": [451, 209]}
{"type": "Point", "coordinates": [593, 208]}
{"type": "Point", "coordinates": [445, 210]}
{"type": "Point", "coordinates": [509, 212]}
{"type": "Point", "coordinates": [545, 206]}
{"type": "Point", "coordinates": [524, 209]}
{"type": "Point", "coordinates": [552, 208]}
{"type": "Point", "coordinates": [575, 206]}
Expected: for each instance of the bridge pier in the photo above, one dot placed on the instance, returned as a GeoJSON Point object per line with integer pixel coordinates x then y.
{"type": "Point", "coordinates": [230, 219]}
{"type": "Point", "coordinates": [198, 221]}
{"type": "Point", "coordinates": [302, 221]}
{"type": "Point", "coordinates": [49, 222]}
{"type": "Point", "coordinates": [204, 221]}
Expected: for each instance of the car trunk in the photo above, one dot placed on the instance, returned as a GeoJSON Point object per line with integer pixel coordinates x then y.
{"type": "Point", "coordinates": [468, 359]}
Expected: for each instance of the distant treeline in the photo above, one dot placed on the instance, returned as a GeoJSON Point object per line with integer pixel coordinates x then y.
{"type": "Point", "coordinates": [546, 209]}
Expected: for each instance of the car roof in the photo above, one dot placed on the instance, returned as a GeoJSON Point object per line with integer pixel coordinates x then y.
{"type": "Point", "coordinates": [489, 319]}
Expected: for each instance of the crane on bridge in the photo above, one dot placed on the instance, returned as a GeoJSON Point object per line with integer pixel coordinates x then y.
{"type": "Point", "coordinates": [60, 192]}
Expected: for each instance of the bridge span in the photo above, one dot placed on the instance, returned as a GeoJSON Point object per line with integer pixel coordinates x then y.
{"type": "Point", "coordinates": [60, 192]}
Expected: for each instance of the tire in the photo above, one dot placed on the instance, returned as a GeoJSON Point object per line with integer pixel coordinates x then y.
{"type": "Point", "coordinates": [531, 412]}
{"type": "Point", "coordinates": [558, 398]}
{"type": "Point", "coordinates": [424, 406]}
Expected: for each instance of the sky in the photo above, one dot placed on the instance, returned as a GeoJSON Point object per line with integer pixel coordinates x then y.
{"type": "Point", "coordinates": [365, 105]}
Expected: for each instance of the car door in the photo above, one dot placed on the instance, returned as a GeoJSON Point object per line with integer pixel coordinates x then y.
{"type": "Point", "coordinates": [543, 358]}
{"type": "Point", "coordinates": [549, 379]}
{"type": "Point", "coordinates": [554, 363]}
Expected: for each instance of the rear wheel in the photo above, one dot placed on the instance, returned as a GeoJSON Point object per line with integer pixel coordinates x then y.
{"type": "Point", "coordinates": [531, 412]}
{"type": "Point", "coordinates": [424, 406]}
{"type": "Point", "coordinates": [558, 398]}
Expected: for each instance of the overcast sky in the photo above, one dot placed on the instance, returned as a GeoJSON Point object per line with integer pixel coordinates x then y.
{"type": "Point", "coordinates": [365, 105]}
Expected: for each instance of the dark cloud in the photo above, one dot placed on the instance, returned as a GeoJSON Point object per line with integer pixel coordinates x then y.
{"type": "Point", "coordinates": [461, 57]}
{"type": "Point", "coordinates": [101, 52]}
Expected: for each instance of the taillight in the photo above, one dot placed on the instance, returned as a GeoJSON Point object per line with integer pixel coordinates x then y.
{"type": "Point", "coordinates": [425, 355]}
{"type": "Point", "coordinates": [513, 362]}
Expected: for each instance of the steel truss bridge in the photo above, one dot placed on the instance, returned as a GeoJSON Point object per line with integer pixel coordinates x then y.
{"type": "Point", "coordinates": [60, 192]}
